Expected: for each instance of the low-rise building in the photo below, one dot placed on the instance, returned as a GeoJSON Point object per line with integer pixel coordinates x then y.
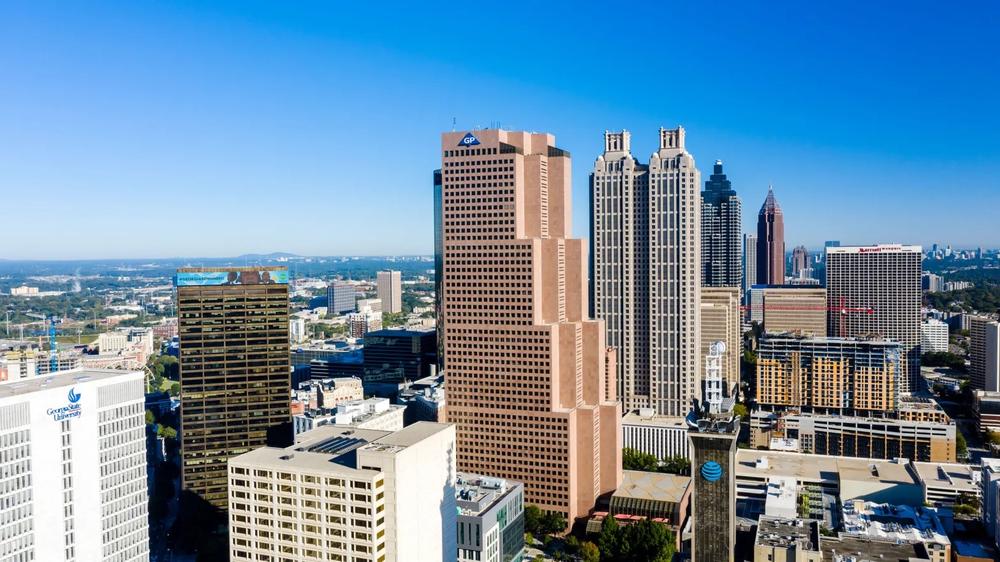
{"type": "Point", "coordinates": [356, 494]}
{"type": "Point", "coordinates": [424, 399]}
{"type": "Point", "coordinates": [660, 436]}
{"type": "Point", "coordinates": [986, 407]}
{"type": "Point", "coordinates": [490, 519]}
{"type": "Point", "coordinates": [933, 336]}
{"type": "Point", "coordinates": [787, 539]}
{"type": "Point", "coordinates": [865, 437]}
{"type": "Point", "coordinates": [899, 524]}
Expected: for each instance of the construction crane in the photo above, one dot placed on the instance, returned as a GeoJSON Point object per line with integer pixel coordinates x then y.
{"type": "Point", "coordinates": [53, 345]}
{"type": "Point", "coordinates": [841, 309]}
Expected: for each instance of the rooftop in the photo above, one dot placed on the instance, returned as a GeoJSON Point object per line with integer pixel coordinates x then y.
{"type": "Point", "coordinates": [893, 522]}
{"type": "Point", "coordinates": [854, 549]}
{"type": "Point", "coordinates": [652, 486]}
{"type": "Point", "coordinates": [400, 333]}
{"type": "Point", "coordinates": [820, 468]}
{"type": "Point", "coordinates": [786, 533]}
{"type": "Point", "coordinates": [70, 377]}
{"type": "Point", "coordinates": [476, 493]}
{"type": "Point", "coordinates": [332, 448]}
{"type": "Point", "coordinates": [963, 477]}
{"type": "Point", "coordinates": [641, 417]}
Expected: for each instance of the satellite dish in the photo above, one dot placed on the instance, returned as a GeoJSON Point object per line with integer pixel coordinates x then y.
{"type": "Point", "coordinates": [719, 347]}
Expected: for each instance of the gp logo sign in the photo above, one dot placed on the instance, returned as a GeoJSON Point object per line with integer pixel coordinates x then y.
{"type": "Point", "coordinates": [468, 140]}
{"type": "Point", "coordinates": [70, 410]}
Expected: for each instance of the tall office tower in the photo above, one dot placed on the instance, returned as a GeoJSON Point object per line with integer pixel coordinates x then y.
{"type": "Point", "coordinates": [712, 431]}
{"type": "Point", "coordinates": [789, 309]}
{"type": "Point", "coordinates": [235, 369]}
{"type": "Point", "coordinates": [885, 278]}
{"type": "Point", "coordinates": [646, 274]}
{"type": "Point", "coordinates": [390, 291]}
{"type": "Point", "coordinates": [770, 242]}
{"type": "Point", "coordinates": [349, 494]}
{"type": "Point", "coordinates": [984, 353]}
{"type": "Point", "coordinates": [800, 260]}
{"type": "Point", "coordinates": [721, 228]}
{"type": "Point", "coordinates": [340, 297]}
{"type": "Point", "coordinates": [720, 321]}
{"type": "Point", "coordinates": [438, 269]}
{"type": "Point", "coordinates": [749, 264]}
{"type": "Point", "coordinates": [73, 470]}
{"type": "Point", "coordinates": [529, 387]}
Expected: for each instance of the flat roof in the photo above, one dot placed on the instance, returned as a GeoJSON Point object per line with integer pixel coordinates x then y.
{"type": "Point", "coordinates": [947, 475]}
{"type": "Point", "coordinates": [781, 532]}
{"type": "Point", "coordinates": [634, 418]}
{"type": "Point", "coordinates": [657, 486]}
{"type": "Point", "coordinates": [876, 249]}
{"type": "Point", "coordinates": [864, 550]}
{"type": "Point", "coordinates": [820, 468]}
{"type": "Point", "coordinates": [9, 389]}
{"type": "Point", "coordinates": [331, 448]}
{"type": "Point", "coordinates": [400, 332]}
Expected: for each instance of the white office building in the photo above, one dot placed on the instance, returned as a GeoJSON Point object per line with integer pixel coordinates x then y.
{"type": "Point", "coordinates": [933, 336]}
{"type": "Point", "coordinates": [347, 494]}
{"type": "Point", "coordinates": [660, 436]}
{"type": "Point", "coordinates": [73, 469]}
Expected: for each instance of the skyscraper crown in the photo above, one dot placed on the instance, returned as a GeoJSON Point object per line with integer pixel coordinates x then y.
{"type": "Point", "coordinates": [770, 203]}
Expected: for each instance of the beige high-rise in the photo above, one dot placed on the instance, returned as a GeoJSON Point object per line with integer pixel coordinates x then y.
{"type": "Point", "coordinates": [720, 321]}
{"type": "Point", "coordinates": [645, 223]}
{"type": "Point", "coordinates": [528, 387]}
{"type": "Point", "coordinates": [389, 288]}
{"type": "Point", "coordinates": [789, 309]}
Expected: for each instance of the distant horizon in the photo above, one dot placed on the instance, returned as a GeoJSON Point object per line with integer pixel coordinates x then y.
{"type": "Point", "coordinates": [274, 255]}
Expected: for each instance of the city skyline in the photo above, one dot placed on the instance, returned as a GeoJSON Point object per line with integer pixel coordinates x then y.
{"type": "Point", "coordinates": [227, 112]}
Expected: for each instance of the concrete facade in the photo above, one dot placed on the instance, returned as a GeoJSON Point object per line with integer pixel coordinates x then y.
{"type": "Point", "coordinates": [886, 279]}
{"type": "Point", "coordinates": [528, 385]}
{"type": "Point", "coordinates": [646, 271]}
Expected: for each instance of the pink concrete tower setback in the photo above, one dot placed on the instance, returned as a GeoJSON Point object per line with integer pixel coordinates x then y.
{"type": "Point", "coordinates": [528, 379]}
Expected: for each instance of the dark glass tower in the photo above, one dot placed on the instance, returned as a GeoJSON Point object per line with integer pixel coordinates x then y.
{"type": "Point", "coordinates": [770, 242]}
{"type": "Point", "coordinates": [721, 227]}
{"type": "Point", "coordinates": [234, 370]}
{"type": "Point", "coordinates": [438, 269]}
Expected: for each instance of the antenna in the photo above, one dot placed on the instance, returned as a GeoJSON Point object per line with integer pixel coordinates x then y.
{"type": "Point", "coordinates": [453, 124]}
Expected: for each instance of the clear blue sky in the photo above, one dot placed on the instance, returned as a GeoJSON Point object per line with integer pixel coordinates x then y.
{"type": "Point", "coordinates": [190, 128]}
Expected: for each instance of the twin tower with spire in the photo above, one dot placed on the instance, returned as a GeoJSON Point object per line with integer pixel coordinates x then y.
{"type": "Point", "coordinates": [656, 240]}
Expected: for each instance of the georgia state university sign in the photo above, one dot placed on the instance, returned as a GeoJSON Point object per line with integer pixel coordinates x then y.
{"type": "Point", "coordinates": [70, 410]}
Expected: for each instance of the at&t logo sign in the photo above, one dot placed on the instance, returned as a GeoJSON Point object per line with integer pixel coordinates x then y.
{"type": "Point", "coordinates": [70, 410]}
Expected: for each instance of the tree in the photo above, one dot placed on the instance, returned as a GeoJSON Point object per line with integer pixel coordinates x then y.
{"type": "Point", "coordinates": [961, 447]}
{"type": "Point", "coordinates": [166, 432]}
{"type": "Point", "coordinates": [642, 541]}
{"type": "Point", "coordinates": [993, 438]}
{"type": "Point", "coordinates": [741, 412]}
{"type": "Point", "coordinates": [676, 465]}
{"type": "Point", "coordinates": [553, 522]}
{"type": "Point", "coordinates": [175, 389]}
{"type": "Point", "coordinates": [637, 460]}
{"type": "Point", "coordinates": [608, 541]}
{"type": "Point", "coordinates": [532, 519]}
{"type": "Point", "coordinates": [150, 419]}
{"type": "Point", "coordinates": [589, 552]}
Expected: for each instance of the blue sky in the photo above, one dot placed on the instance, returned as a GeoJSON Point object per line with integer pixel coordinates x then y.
{"type": "Point", "coordinates": [156, 129]}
